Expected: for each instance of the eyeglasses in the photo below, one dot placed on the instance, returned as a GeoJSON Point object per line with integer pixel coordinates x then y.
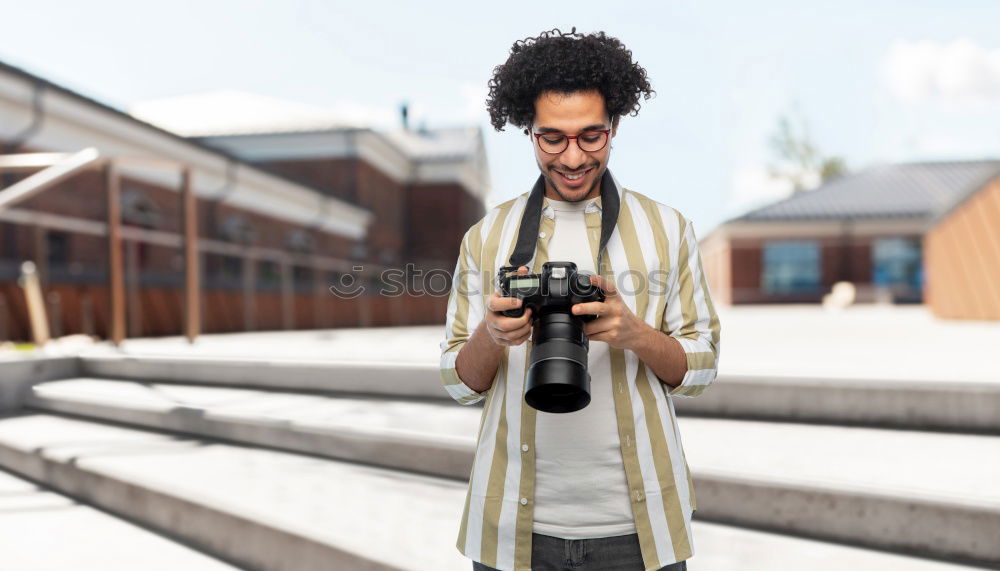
{"type": "Point", "coordinates": [589, 141]}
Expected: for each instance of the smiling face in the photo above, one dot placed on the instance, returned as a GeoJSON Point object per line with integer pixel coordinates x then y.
{"type": "Point", "coordinates": [571, 115]}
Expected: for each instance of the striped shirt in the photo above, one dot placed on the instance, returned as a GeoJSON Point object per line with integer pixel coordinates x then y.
{"type": "Point", "coordinates": [652, 257]}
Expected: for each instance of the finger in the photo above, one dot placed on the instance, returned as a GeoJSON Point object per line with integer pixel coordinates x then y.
{"type": "Point", "coordinates": [596, 327]}
{"type": "Point", "coordinates": [522, 270]}
{"type": "Point", "coordinates": [606, 285]}
{"type": "Point", "coordinates": [602, 336]}
{"type": "Point", "coordinates": [522, 333]}
{"type": "Point", "coordinates": [500, 303]}
{"type": "Point", "coordinates": [508, 324]}
{"type": "Point", "coordinates": [505, 324]}
{"type": "Point", "coordinates": [521, 340]}
{"type": "Point", "coordinates": [590, 308]}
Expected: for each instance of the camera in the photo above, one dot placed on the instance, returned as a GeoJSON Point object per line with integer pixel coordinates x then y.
{"type": "Point", "coordinates": [557, 378]}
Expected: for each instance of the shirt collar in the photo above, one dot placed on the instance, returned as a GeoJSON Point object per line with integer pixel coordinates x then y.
{"type": "Point", "coordinates": [548, 212]}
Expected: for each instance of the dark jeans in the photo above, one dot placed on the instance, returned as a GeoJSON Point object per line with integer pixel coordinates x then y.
{"type": "Point", "coordinates": [620, 553]}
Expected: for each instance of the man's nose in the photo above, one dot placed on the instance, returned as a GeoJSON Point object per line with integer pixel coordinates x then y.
{"type": "Point", "coordinates": [573, 157]}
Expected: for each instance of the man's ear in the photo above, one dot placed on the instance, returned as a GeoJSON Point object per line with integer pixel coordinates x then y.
{"type": "Point", "coordinates": [614, 126]}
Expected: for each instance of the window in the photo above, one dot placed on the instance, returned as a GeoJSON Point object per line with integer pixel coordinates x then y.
{"type": "Point", "coordinates": [8, 237]}
{"type": "Point", "coordinates": [232, 268]}
{"type": "Point", "coordinates": [236, 228]}
{"type": "Point", "coordinates": [223, 271]}
{"type": "Point", "coordinates": [791, 266]}
{"type": "Point", "coordinates": [139, 210]}
{"type": "Point", "coordinates": [57, 244]}
{"type": "Point", "coordinates": [303, 279]}
{"type": "Point", "coordinates": [897, 262]}
{"type": "Point", "coordinates": [268, 276]}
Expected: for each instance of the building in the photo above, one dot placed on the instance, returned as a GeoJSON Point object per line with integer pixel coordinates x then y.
{"type": "Point", "coordinates": [281, 215]}
{"type": "Point", "coordinates": [906, 233]}
{"type": "Point", "coordinates": [425, 187]}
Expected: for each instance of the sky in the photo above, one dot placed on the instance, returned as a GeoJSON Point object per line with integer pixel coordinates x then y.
{"type": "Point", "coordinates": [872, 81]}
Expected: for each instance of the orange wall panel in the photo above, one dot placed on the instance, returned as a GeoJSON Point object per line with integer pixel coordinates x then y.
{"type": "Point", "coordinates": [962, 259]}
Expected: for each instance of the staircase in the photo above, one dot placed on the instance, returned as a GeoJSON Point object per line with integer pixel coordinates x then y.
{"type": "Point", "coordinates": [303, 466]}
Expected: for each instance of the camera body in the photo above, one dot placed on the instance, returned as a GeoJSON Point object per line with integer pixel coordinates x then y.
{"type": "Point", "coordinates": [557, 288]}
{"type": "Point", "coordinates": [557, 379]}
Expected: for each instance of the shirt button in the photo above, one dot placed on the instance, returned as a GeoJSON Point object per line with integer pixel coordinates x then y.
{"type": "Point", "coordinates": [524, 448]}
{"type": "Point", "coordinates": [541, 234]}
{"type": "Point", "coordinates": [524, 501]}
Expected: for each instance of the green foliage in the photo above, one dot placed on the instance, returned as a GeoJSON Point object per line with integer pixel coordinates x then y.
{"type": "Point", "coordinates": [801, 162]}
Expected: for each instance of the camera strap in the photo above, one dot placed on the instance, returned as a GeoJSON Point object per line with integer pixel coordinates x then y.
{"type": "Point", "coordinates": [527, 234]}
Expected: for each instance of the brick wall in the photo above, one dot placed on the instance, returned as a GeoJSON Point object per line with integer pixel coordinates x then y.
{"type": "Point", "coordinates": [423, 223]}
{"type": "Point", "coordinates": [439, 214]}
{"type": "Point", "coordinates": [359, 183]}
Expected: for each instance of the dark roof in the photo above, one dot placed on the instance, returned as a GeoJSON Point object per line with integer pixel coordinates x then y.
{"type": "Point", "coordinates": [908, 190]}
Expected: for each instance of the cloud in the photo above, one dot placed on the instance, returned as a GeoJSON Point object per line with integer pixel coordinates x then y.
{"type": "Point", "coordinates": [945, 146]}
{"type": "Point", "coordinates": [960, 72]}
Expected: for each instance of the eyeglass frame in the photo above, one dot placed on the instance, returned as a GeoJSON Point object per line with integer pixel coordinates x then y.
{"type": "Point", "coordinates": [606, 132]}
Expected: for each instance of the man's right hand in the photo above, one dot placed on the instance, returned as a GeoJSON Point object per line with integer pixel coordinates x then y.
{"type": "Point", "coordinates": [503, 330]}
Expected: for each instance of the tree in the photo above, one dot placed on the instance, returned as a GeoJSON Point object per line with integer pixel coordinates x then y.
{"type": "Point", "coordinates": [801, 163]}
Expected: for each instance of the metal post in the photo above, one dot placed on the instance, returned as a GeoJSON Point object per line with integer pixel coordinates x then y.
{"type": "Point", "coordinates": [87, 315]}
{"type": "Point", "coordinates": [249, 292]}
{"type": "Point", "coordinates": [287, 296]}
{"type": "Point", "coordinates": [116, 275]}
{"type": "Point", "coordinates": [192, 297]}
{"type": "Point", "coordinates": [134, 305]}
{"type": "Point", "coordinates": [364, 302]}
{"type": "Point", "coordinates": [4, 319]}
{"type": "Point", "coordinates": [321, 311]}
{"type": "Point", "coordinates": [55, 314]}
{"type": "Point", "coordinates": [41, 257]}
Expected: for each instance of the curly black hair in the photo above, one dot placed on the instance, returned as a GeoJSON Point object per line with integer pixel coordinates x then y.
{"type": "Point", "coordinates": [565, 63]}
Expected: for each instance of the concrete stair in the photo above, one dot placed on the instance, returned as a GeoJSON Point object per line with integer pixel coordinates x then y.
{"type": "Point", "coordinates": [944, 405]}
{"type": "Point", "coordinates": [268, 509]}
{"type": "Point", "coordinates": [320, 466]}
{"type": "Point", "coordinates": [44, 530]}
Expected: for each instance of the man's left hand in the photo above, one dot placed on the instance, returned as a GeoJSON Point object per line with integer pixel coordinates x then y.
{"type": "Point", "coordinates": [616, 325]}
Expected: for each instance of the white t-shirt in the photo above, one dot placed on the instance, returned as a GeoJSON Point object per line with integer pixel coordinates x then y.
{"type": "Point", "coordinates": [580, 486]}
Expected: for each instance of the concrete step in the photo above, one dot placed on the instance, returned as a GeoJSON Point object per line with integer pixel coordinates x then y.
{"type": "Point", "coordinates": [950, 405]}
{"type": "Point", "coordinates": [920, 405]}
{"type": "Point", "coordinates": [43, 530]}
{"type": "Point", "coordinates": [276, 510]}
{"type": "Point", "coordinates": [935, 494]}
{"type": "Point", "coordinates": [433, 437]}
{"type": "Point", "coordinates": [721, 547]}
{"type": "Point", "coordinates": [261, 508]}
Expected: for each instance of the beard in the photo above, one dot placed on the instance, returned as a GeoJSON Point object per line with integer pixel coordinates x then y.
{"type": "Point", "coordinates": [550, 179]}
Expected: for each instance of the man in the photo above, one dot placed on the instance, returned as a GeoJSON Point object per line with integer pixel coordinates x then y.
{"type": "Point", "coordinates": [606, 487]}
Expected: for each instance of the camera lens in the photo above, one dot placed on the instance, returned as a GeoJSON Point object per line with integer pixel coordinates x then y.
{"type": "Point", "coordinates": [557, 379]}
